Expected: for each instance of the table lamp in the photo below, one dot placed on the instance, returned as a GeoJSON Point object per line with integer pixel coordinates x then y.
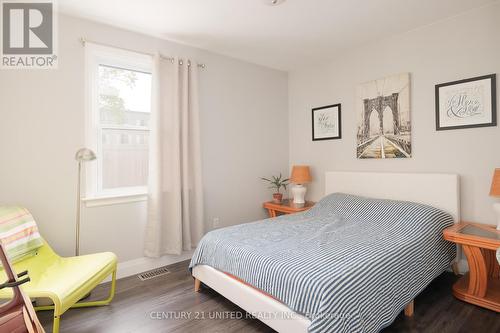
{"type": "Point", "coordinates": [300, 176]}
{"type": "Point", "coordinates": [81, 156]}
{"type": "Point", "coordinates": [495, 192]}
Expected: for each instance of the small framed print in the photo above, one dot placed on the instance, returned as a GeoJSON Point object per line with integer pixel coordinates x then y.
{"type": "Point", "coordinates": [466, 103]}
{"type": "Point", "coordinates": [326, 123]}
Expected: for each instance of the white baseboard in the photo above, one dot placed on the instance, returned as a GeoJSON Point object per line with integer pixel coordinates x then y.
{"type": "Point", "coordinates": [143, 264]}
{"type": "Point", "coordinates": [463, 267]}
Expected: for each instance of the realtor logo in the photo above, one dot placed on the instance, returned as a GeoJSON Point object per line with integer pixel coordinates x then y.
{"type": "Point", "coordinates": [28, 30]}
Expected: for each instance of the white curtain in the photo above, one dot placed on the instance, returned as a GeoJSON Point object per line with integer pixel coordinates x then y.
{"type": "Point", "coordinates": [175, 200]}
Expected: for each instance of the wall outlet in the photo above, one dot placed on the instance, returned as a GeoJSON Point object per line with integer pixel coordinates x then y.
{"type": "Point", "coordinates": [216, 222]}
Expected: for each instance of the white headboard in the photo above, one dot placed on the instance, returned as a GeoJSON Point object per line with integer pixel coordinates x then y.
{"type": "Point", "coordinates": [438, 190]}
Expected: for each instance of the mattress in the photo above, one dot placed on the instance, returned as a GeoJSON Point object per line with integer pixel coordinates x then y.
{"type": "Point", "coordinates": [350, 264]}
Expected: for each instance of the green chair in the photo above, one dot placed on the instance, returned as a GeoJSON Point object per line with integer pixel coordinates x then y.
{"type": "Point", "coordinates": [64, 280]}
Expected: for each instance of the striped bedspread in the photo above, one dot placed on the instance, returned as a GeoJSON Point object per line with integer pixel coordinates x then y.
{"type": "Point", "coordinates": [350, 264]}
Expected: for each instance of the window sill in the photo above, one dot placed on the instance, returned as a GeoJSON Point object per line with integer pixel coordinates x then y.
{"type": "Point", "coordinates": [115, 199]}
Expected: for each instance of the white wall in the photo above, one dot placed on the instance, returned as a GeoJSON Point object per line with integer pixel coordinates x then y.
{"type": "Point", "coordinates": [457, 48]}
{"type": "Point", "coordinates": [244, 126]}
{"type": "Point", "coordinates": [41, 127]}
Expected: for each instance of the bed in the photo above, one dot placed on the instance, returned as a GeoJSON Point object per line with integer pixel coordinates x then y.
{"type": "Point", "coordinates": [350, 264]}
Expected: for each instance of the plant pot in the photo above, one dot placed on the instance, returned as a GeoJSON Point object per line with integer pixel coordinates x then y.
{"type": "Point", "coordinates": [277, 197]}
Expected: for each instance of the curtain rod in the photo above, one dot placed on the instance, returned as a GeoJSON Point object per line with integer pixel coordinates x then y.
{"type": "Point", "coordinates": [171, 59]}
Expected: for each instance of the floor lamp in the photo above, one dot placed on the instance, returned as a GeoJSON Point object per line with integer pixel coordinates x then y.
{"type": "Point", "coordinates": [82, 155]}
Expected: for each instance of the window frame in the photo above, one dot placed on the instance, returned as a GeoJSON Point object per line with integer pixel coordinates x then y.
{"type": "Point", "coordinates": [96, 55]}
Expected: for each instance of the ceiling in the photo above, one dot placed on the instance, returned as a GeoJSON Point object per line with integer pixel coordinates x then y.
{"type": "Point", "coordinates": [291, 35]}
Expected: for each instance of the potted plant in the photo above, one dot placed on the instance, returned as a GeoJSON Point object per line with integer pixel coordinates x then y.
{"type": "Point", "coordinates": [276, 183]}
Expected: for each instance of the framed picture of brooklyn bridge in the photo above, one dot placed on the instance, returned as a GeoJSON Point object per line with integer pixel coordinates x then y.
{"type": "Point", "coordinates": [384, 123]}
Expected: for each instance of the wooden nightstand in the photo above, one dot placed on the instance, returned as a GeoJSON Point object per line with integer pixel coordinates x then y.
{"type": "Point", "coordinates": [286, 207]}
{"type": "Point", "coordinates": [481, 286]}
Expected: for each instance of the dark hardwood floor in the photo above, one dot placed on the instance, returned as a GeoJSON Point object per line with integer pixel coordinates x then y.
{"type": "Point", "coordinates": [158, 305]}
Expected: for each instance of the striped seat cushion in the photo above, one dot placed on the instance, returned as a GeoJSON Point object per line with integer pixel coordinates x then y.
{"type": "Point", "coordinates": [18, 232]}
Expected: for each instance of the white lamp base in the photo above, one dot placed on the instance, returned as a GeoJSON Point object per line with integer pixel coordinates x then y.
{"type": "Point", "coordinates": [299, 193]}
{"type": "Point", "coordinates": [496, 208]}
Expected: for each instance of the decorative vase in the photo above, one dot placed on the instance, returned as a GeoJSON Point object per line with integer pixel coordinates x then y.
{"type": "Point", "coordinates": [277, 197]}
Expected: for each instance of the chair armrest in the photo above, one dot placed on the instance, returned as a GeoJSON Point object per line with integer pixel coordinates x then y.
{"type": "Point", "coordinates": [14, 283]}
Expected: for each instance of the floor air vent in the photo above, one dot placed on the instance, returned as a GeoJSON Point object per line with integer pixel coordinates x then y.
{"type": "Point", "coordinates": [153, 273]}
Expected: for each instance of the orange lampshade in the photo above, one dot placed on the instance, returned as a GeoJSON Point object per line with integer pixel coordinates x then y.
{"type": "Point", "coordinates": [300, 174]}
{"type": "Point", "coordinates": [495, 184]}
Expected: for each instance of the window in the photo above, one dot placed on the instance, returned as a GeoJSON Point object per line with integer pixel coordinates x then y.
{"type": "Point", "coordinates": [118, 120]}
